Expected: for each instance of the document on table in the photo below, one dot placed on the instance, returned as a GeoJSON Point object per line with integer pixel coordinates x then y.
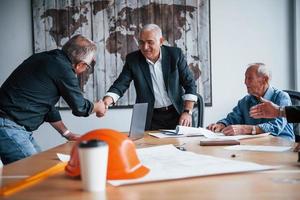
{"type": "Point", "coordinates": [184, 131]}
{"type": "Point", "coordinates": [63, 157]}
{"type": "Point", "coordinates": [259, 148]}
{"type": "Point", "coordinates": [168, 163]}
{"type": "Point", "coordinates": [181, 131]}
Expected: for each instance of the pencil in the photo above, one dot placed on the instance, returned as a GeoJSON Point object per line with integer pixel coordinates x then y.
{"type": "Point", "coordinates": [14, 187]}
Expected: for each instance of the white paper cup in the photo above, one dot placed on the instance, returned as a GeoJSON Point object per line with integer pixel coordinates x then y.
{"type": "Point", "coordinates": [93, 156]}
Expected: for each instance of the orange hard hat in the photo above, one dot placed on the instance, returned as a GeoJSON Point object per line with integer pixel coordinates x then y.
{"type": "Point", "coordinates": [123, 162]}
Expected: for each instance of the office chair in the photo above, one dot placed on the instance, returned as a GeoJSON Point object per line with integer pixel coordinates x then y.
{"type": "Point", "coordinates": [198, 112]}
{"type": "Point", "coordinates": [295, 97]}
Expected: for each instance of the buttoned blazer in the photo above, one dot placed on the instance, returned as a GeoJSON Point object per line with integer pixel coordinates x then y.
{"type": "Point", "coordinates": [177, 76]}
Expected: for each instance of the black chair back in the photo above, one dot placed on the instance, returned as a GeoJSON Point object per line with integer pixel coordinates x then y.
{"type": "Point", "coordinates": [198, 112]}
{"type": "Point", "coordinates": [295, 97]}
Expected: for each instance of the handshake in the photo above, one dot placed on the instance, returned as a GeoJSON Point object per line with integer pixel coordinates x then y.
{"type": "Point", "coordinates": [101, 107]}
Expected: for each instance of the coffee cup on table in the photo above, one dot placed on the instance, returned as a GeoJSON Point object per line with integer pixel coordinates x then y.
{"type": "Point", "coordinates": [93, 156]}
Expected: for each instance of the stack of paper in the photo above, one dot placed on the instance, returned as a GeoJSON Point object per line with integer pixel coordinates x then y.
{"type": "Point", "coordinates": [184, 131]}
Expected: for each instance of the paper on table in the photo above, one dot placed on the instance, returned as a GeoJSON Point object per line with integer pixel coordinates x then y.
{"type": "Point", "coordinates": [163, 135]}
{"type": "Point", "coordinates": [168, 163]}
{"type": "Point", "coordinates": [258, 148]}
{"type": "Point", "coordinates": [241, 137]}
{"type": "Point", "coordinates": [209, 134]}
{"type": "Point", "coordinates": [63, 157]}
{"type": "Point", "coordinates": [184, 131]}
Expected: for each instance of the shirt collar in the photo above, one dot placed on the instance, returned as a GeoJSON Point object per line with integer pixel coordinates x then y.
{"type": "Point", "coordinates": [269, 93]}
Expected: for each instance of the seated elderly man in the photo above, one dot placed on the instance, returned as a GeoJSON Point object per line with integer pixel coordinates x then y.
{"type": "Point", "coordinates": [239, 121]}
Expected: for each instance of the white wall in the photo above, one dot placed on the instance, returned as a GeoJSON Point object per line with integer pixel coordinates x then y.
{"type": "Point", "coordinates": [15, 35]}
{"type": "Point", "coordinates": [242, 32]}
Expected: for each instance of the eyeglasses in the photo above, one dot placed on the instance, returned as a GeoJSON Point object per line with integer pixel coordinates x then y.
{"type": "Point", "coordinates": [90, 66]}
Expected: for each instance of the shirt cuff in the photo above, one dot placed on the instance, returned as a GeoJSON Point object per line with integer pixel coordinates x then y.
{"type": "Point", "coordinates": [223, 122]}
{"type": "Point", "coordinates": [190, 97]}
{"type": "Point", "coordinates": [114, 96]}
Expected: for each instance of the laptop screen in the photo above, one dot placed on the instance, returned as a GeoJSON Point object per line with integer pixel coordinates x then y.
{"type": "Point", "coordinates": [138, 121]}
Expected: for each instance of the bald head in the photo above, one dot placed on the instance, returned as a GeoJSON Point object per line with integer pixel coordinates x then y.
{"type": "Point", "coordinates": [80, 48]}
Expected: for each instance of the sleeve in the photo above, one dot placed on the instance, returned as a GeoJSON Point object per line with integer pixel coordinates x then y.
{"type": "Point", "coordinates": [69, 89]}
{"type": "Point", "coordinates": [277, 125]}
{"type": "Point", "coordinates": [234, 117]}
{"type": "Point", "coordinates": [122, 83]}
{"type": "Point", "coordinates": [186, 76]}
{"type": "Point", "coordinates": [53, 115]}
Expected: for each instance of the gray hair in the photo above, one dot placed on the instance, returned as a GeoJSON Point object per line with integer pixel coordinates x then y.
{"type": "Point", "coordinates": [152, 27]}
{"type": "Point", "coordinates": [262, 70]}
{"type": "Point", "coordinates": [79, 48]}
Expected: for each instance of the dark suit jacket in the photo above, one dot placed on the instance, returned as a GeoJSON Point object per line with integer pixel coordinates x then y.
{"type": "Point", "coordinates": [177, 77]}
{"type": "Point", "coordinates": [292, 114]}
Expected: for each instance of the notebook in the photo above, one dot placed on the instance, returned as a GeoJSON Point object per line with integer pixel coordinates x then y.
{"type": "Point", "coordinates": [138, 121]}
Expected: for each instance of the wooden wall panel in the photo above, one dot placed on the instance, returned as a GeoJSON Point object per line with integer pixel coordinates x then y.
{"type": "Point", "coordinates": [114, 26]}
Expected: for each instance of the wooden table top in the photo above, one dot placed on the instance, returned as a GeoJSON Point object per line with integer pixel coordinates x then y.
{"type": "Point", "coordinates": [283, 183]}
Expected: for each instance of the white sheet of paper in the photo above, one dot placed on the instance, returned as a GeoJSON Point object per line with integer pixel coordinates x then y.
{"type": "Point", "coordinates": [163, 135]}
{"type": "Point", "coordinates": [168, 163]}
{"type": "Point", "coordinates": [241, 137]}
{"type": "Point", "coordinates": [184, 131]}
{"type": "Point", "coordinates": [258, 148]}
{"type": "Point", "coordinates": [63, 157]}
{"type": "Point", "coordinates": [188, 131]}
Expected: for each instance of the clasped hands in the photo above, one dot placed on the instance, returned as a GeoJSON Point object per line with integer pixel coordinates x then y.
{"type": "Point", "coordinates": [101, 107]}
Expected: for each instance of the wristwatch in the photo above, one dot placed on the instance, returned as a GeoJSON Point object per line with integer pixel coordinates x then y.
{"type": "Point", "coordinates": [253, 132]}
{"type": "Point", "coordinates": [281, 111]}
{"type": "Point", "coordinates": [190, 112]}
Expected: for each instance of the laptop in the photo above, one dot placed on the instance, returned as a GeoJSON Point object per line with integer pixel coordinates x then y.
{"type": "Point", "coordinates": [138, 121]}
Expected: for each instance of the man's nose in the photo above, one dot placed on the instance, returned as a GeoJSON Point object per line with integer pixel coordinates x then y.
{"type": "Point", "coordinates": [145, 46]}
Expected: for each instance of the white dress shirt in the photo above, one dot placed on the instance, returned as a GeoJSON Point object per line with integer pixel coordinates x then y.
{"type": "Point", "coordinates": [159, 88]}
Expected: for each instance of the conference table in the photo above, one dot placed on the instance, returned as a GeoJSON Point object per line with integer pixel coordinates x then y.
{"type": "Point", "coordinates": [281, 183]}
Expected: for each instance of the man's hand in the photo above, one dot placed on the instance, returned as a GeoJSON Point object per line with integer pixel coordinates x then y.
{"type": "Point", "coordinates": [216, 127]}
{"type": "Point", "coordinates": [233, 130]}
{"type": "Point", "coordinates": [267, 109]}
{"type": "Point", "coordinates": [238, 130]}
{"type": "Point", "coordinates": [72, 136]}
{"type": "Point", "coordinates": [100, 108]}
{"type": "Point", "coordinates": [185, 119]}
{"type": "Point", "coordinates": [108, 100]}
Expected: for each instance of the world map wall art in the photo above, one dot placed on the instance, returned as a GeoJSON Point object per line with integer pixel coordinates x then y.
{"type": "Point", "coordinates": [114, 26]}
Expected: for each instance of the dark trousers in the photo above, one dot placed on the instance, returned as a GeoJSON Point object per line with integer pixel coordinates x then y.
{"type": "Point", "coordinates": [164, 118]}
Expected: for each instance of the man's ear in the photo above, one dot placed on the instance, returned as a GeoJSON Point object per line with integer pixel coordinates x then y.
{"type": "Point", "coordinates": [266, 79]}
{"type": "Point", "coordinates": [79, 67]}
{"type": "Point", "coordinates": [161, 40]}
